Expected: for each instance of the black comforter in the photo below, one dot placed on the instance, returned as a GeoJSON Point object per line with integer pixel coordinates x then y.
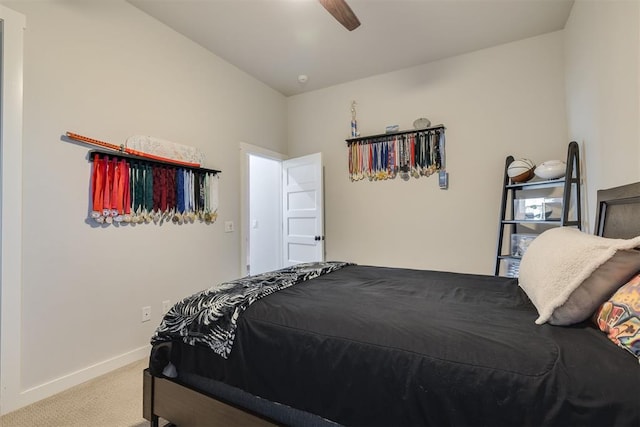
{"type": "Point", "coordinates": [377, 346]}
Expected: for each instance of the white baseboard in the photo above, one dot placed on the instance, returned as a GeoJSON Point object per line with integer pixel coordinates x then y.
{"type": "Point", "coordinates": [42, 391]}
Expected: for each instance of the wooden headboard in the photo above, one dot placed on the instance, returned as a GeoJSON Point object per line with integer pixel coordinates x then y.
{"type": "Point", "coordinates": [618, 212]}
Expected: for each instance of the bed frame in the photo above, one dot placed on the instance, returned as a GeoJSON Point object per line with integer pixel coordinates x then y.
{"type": "Point", "coordinates": [185, 406]}
{"type": "Point", "coordinates": [618, 212]}
{"type": "Point", "coordinates": [617, 216]}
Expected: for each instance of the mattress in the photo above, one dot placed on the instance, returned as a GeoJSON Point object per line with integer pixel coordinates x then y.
{"type": "Point", "coordinates": [381, 346]}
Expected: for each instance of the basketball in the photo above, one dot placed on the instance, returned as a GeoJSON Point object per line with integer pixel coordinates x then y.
{"type": "Point", "coordinates": [521, 170]}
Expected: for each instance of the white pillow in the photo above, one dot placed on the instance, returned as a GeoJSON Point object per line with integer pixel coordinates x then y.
{"type": "Point", "coordinates": [567, 274]}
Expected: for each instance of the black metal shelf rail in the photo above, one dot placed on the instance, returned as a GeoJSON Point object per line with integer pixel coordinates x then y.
{"type": "Point", "coordinates": [383, 136]}
{"type": "Point", "coordinates": [126, 156]}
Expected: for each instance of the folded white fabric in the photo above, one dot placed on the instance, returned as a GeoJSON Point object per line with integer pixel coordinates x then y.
{"type": "Point", "coordinates": [567, 274]}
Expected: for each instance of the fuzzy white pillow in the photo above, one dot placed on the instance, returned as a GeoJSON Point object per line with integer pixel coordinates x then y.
{"type": "Point", "coordinates": [567, 274]}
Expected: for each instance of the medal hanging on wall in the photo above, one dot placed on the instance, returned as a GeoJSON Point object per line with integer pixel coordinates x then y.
{"type": "Point", "coordinates": [110, 192]}
{"type": "Point", "coordinates": [137, 192]}
{"type": "Point", "coordinates": [415, 154]}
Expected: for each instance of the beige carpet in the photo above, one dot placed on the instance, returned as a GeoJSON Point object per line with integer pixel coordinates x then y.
{"type": "Point", "coordinates": [113, 400]}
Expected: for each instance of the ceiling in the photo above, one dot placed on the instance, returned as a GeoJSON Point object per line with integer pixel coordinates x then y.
{"type": "Point", "coordinates": [275, 41]}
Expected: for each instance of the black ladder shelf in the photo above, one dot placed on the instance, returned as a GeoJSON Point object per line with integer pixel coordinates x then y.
{"type": "Point", "coordinates": [508, 224]}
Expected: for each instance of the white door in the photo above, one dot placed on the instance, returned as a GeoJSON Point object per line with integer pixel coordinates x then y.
{"type": "Point", "coordinates": [302, 210]}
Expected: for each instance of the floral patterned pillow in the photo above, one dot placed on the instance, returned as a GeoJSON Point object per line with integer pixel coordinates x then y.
{"type": "Point", "coordinates": [619, 317]}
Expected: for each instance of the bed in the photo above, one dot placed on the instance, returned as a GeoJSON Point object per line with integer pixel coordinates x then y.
{"type": "Point", "coordinates": [375, 346]}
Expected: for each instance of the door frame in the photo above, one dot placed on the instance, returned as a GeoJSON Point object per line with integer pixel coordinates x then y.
{"type": "Point", "coordinates": [13, 25]}
{"type": "Point", "coordinates": [247, 150]}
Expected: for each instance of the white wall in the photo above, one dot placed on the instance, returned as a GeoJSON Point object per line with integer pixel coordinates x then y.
{"type": "Point", "coordinates": [265, 203]}
{"type": "Point", "coordinates": [11, 198]}
{"type": "Point", "coordinates": [505, 100]}
{"type": "Point", "coordinates": [107, 70]}
{"type": "Point", "coordinates": [602, 73]}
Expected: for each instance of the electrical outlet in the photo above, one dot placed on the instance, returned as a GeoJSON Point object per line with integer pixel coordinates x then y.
{"type": "Point", "coordinates": [146, 314]}
{"type": "Point", "coordinates": [166, 306]}
{"type": "Point", "coordinates": [228, 227]}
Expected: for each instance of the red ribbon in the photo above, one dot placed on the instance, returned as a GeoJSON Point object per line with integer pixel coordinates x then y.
{"type": "Point", "coordinates": [97, 190]}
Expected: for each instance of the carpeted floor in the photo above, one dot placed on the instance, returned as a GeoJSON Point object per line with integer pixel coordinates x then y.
{"type": "Point", "coordinates": [113, 400]}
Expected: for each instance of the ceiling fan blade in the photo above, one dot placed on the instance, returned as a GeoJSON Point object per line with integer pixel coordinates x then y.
{"type": "Point", "coordinates": [342, 12]}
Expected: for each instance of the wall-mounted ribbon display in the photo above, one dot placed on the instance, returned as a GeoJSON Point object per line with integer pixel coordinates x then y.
{"type": "Point", "coordinates": [128, 189]}
{"type": "Point", "coordinates": [406, 154]}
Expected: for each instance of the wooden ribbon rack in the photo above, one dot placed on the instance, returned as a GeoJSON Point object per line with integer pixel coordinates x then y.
{"type": "Point", "coordinates": [411, 153]}
{"type": "Point", "coordinates": [138, 190]}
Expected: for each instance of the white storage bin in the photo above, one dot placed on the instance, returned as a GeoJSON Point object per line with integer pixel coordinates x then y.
{"type": "Point", "coordinates": [520, 242]}
{"type": "Point", "coordinates": [537, 208]}
{"type": "Point", "coordinates": [513, 267]}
